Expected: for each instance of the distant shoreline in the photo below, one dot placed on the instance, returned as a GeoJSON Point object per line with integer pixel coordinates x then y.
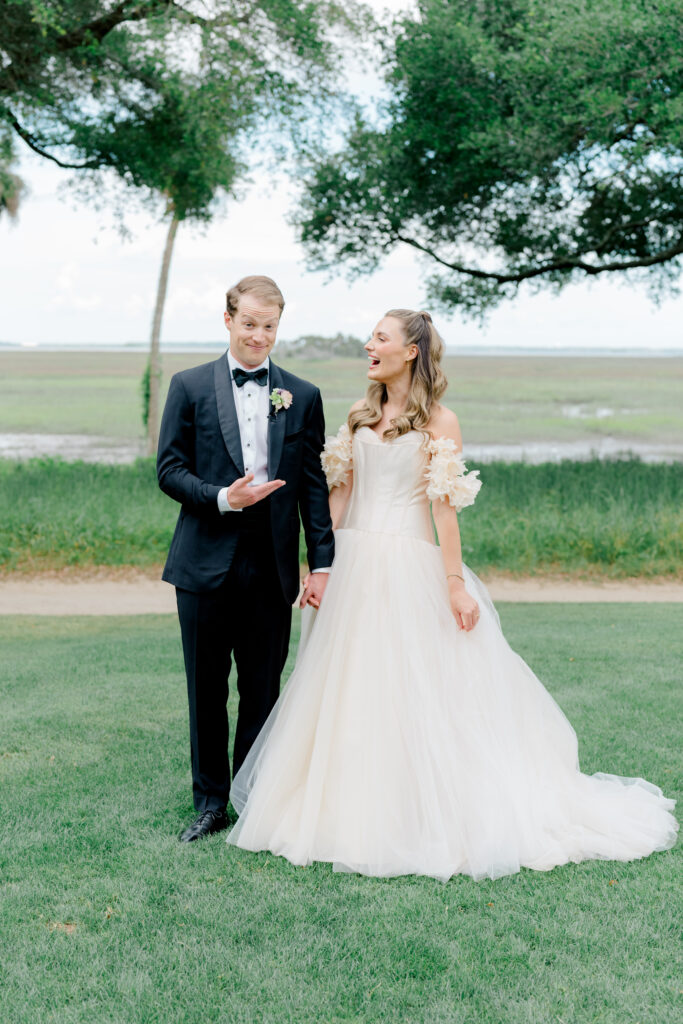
{"type": "Point", "coordinates": [488, 351]}
{"type": "Point", "coordinates": [113, 451]}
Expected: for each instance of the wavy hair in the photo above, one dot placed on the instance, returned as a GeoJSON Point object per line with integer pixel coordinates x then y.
{"type": "Point", "coordinates": [263, 288]}
{"type": "Point", "coordinates": [427, 384]}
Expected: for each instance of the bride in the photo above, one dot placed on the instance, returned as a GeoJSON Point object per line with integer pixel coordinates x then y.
{"type": "Point", "coordinates": [410, 738]}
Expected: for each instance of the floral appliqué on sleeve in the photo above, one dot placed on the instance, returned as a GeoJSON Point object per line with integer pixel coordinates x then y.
{"type": "Point", "coordinates": [447, 475]}
{"type": "Point", "coordinates": [336, 457]}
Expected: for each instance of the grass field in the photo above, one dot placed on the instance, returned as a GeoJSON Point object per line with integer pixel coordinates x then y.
{"type": "Point", "coordinates": [106, 917]}
{"type": "Point", "coordinates": [579, 518]}
{"type": "Point", "coordinates": [506, 399]}
{"type": "Point", "coordinates": [616, 519]}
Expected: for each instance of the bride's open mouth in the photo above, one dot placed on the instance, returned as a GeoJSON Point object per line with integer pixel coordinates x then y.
{"type": "Point", "coordinates": [373, 362]}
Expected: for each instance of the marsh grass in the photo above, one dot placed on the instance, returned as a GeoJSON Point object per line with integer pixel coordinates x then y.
{"type": "Point", "coordinates": [106, 917]}
{"type": "Point", "coordinates": [615, 519]}
{"type": "Point", "coordinates": [620, 518]}
{"type": "Point", "coordinates": [501, 399]}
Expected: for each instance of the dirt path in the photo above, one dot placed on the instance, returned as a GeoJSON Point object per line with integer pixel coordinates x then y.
{"type": "Point", "coordinates": [130, 593]}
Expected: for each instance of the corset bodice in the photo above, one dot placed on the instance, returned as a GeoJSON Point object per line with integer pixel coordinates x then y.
{"type": "Point", "coordinates": [389, 486]}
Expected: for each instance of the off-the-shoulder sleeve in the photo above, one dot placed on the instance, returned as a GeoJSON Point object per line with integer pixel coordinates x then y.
{"type": "Point", "coordinates": [447, 475]}
{"type": "Point", "coordinates": [336, 457]}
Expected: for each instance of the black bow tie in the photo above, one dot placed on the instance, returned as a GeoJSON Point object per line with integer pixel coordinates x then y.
{"type": "Point", "coordinates": [241, 376]}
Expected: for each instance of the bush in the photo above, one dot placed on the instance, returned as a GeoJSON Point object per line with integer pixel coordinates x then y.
{"type": "Point", "coordinates": [614, 518]}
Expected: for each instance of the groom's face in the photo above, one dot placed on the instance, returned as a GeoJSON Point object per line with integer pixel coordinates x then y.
{"type": "Point", "coordinates": [252, 330]}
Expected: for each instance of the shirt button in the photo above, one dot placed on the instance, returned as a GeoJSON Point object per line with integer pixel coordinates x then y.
{"type": "Point", "coordinates": [248, 444]}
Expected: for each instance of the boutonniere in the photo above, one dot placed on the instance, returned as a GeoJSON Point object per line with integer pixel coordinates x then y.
{"type": "Point", "coordinates": [280, 399]}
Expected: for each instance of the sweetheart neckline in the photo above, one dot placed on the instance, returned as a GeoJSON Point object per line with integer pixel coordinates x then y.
{"type": "Point", "coordinates": [391, 439]}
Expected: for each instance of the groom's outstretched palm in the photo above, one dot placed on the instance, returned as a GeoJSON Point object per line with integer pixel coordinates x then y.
{"type": "Point", "coordinates": [241, 494]}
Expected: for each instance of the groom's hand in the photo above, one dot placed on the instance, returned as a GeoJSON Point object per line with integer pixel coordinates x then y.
{"type": "Point", "coordinates": [241, 494]}
{"type": "Point", "coordinates": [314, 588]}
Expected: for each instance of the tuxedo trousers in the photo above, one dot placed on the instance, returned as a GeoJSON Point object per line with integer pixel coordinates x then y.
{"type": "Point", "coordinates": [246, 619]}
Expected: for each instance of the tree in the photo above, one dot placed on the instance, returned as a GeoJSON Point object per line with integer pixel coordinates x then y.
{"type": "Point", "coordinates": [12, 188]}
{"type": "Point", "coordinates": [531, 141]}
{"type": "Point", "coordinates": [180, 152]}
{"type": "Point", "coordinates": [316, 346]}
{"type": "Point", "coordinates": [68, 68]}
{"type": "Point", "coordinates": [166, 94]}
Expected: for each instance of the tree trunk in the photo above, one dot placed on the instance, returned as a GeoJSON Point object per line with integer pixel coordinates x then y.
{"type": "Point", "coordinates": [154, 355]}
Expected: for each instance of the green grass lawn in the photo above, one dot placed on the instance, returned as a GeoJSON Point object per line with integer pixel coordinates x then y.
{"type": "Point", "coordinates": [502, 399]}
{"type": "Point", "coordinates": [614, 519]}
{"type": "Point", "coordinates": [107, 918]}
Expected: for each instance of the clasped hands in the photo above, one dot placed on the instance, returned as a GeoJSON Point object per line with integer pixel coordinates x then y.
{"type": "Point", "coordinates": [241, 494]}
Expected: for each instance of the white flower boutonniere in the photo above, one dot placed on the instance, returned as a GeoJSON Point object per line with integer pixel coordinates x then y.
{"type": "Point", "coordinates": [281, 399]}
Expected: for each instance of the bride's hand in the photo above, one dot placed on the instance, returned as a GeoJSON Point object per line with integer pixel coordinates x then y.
{"type": "Point", "coordinates": [464, 607]}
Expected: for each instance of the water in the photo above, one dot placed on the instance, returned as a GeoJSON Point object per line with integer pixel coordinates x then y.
{"type": "Point", "coordinates": [91, 448]}
{"type": "Point", "coordinates": [217, 346]}
{"type": "Point", "coordinates": [554, 451]}
{"type": "Point", "coordinates": [70, 447]}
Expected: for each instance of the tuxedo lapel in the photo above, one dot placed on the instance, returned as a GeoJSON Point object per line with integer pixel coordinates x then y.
{"type": "Point", "coordinates": [276, 425]}
{"type": "Point", "coordinates": [227, 414]}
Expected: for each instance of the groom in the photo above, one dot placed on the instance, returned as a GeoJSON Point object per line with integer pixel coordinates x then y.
{"type": "Point", "coordinates": [239, 448]}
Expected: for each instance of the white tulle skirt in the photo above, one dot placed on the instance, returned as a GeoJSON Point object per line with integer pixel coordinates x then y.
{"type": "Point", "coordinates": [402, 745]}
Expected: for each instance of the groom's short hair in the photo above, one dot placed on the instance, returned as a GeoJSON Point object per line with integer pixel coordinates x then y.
{"type": "Point", "coordinates": [263, 288]}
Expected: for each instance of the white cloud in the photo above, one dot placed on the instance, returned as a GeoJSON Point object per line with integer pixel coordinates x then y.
{"type": "Point", "coordinates": [66, 276]}
{"type": "Point", "coordinates": [71, 289]}
{"type": "Point", "coordinates": [185, 300]}
{"type": "Point", "coordinates": [135, 304]}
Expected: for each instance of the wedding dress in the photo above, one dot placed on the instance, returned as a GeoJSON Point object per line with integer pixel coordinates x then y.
{"type": "Point", "coordinates": [403, 745]}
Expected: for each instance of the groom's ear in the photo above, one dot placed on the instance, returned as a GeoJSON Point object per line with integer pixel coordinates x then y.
{"type": "Point", "coordinates": [227, 319]}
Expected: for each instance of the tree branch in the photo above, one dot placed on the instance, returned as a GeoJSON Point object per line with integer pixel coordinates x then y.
{"type": "Point", "coordinates": [219, 21]}
{"type": "Point", "coordinates": [32, 144]}
{"type": "Point", "coordinates": [632, 225]}
{"type": "Point", "coordinates": [566, 263]}
{"type": "Point", "coordinates": [127, 10]}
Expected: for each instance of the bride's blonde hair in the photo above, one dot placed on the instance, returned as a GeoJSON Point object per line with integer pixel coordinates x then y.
{"type": "Point", "coordinates": [427, 384]}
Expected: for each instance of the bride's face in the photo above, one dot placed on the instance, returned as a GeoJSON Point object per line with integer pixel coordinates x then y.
{"type": "Point", "coordinates": [389, 356]}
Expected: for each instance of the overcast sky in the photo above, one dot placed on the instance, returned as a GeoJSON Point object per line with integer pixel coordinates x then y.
{"type": "Point", "coordinates": [67, 277]}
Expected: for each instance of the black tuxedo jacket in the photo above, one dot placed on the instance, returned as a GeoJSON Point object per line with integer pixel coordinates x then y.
{"type": "Point", "coordinates": [200, 452]}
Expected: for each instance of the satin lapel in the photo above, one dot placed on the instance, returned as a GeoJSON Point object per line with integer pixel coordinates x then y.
{"type": "Point", "coordinates": [276, 425]}
{"type": "Point", "coordinates": [227, 414]}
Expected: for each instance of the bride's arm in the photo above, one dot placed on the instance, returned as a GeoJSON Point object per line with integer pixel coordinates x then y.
{"type": "Point", "coordinates": [339, 499]}
{"type": "Point", "coordinates": [337, 463]}
{"type": "Point", "coordinates": [463, 605]}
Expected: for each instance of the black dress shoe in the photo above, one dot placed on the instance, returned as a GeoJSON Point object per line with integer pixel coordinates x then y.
{"type": "Point", "coordinates": [206, 824]}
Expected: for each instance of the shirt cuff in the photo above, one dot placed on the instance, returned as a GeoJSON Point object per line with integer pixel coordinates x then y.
{"type": "Point", "coordinates": [223, 503]}
{"type": "Point", "coordinates": [313, 571]}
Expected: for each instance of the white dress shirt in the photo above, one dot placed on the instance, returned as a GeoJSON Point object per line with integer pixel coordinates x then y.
{"type": "Point", "coordinates": [252, 404]}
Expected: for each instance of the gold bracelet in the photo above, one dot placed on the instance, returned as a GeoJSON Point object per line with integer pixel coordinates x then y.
{"type": "Point", "coordinates": [455, 574]}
